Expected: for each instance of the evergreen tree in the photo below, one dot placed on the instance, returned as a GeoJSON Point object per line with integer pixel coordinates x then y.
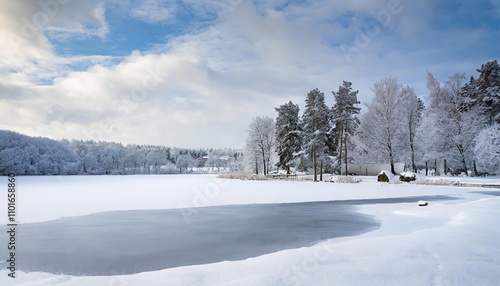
{"type": "Point", "coordinates": [316, 128]}
{"type": "Point", "coordinates": [345, 118]}
{"type": "Point", "coordinates": [488, 86]}
{"type": "Point", "coordinates": [288, 140]}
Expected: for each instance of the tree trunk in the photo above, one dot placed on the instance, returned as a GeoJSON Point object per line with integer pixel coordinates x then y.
{"type": "Point", "coordinates": [436, 173]}
{"type": "Point", "coordinates": [475, 168]}
{"type": "Point", "coordinates": [445, 167]}
{"type": "Point", "coordinates": [464, 164]}
{"type": "Point", "coordinates": [256, 166]}
{"type": "Point", "coordinates": [391, 157]}
{"type": "Point", "coordinates": [288, 170]}
{"type": "Point", "coordinates": [321, 171]}
{"type": "Point", "coordinates": [413, 165]}
{"type": "Point", "coordinates": [340, 150]}
{"type": "Point", "coordinates": [393, 171]}
{"type": "Point", "coordinates": [426, 169]}
{"type": "Point", "coordinates": [264, 167]}
{"type": "Point", "coordinates": [314, 164]}
{"type": "Point", "coordinates": [345, 155]}
{"type": "Point", "coordinates": [412, 147]}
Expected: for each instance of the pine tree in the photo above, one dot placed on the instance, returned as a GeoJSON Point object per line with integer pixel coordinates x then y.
{"type": "Point", "coordinates": [488, 85]}
{"type": "Point", "coordinates": [345, 118]}
{"type": "Point", "coordinates": [316, 127]}
{"type": "Point", "coordinates": [288, 137]}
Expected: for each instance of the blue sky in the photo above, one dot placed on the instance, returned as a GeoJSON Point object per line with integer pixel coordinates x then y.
{"type": "Point", "coordinates": [194, 73]}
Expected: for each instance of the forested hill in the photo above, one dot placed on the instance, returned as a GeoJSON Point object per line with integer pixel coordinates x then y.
{"type": "Point", "coordinates": [25, 155]}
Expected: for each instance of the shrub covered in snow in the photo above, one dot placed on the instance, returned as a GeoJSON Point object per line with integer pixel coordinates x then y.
{"type": "Point", "coordinates": [433, 182]}
{"type": "Point", "coordinates": [347, 179]}
{"type": "Point", "coordinates": [241, 176]}
{"type": "Point", "coordinates": [385, 176]}
{"type": "Point", "coordinates": [407, 176]}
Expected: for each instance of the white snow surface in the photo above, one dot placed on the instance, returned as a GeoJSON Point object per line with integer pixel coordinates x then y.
{"type": "Point", "coordinates": [445, 243]}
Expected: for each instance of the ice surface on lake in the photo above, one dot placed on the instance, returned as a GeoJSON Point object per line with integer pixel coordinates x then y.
{"type": "Point", "coordinates": [446, 243]}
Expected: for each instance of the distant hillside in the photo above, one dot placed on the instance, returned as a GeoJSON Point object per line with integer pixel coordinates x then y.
{"type": "Point", "coordinates": [25, 155]}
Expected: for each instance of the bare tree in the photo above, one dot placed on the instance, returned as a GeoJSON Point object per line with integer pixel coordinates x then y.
{"type": "Point", "coordinates": [461, 124]}
{"type": "Point", "coordinates": [414, 107]}
{"type": "Point", "coordinates": [381, 127]}
{"type": "Point", "coordinates": [261, 143]}
{"type": "Point", "coordinates": [449, 128]}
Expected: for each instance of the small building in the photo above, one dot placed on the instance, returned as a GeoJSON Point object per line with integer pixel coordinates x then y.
{"type": "Point", "coordinates": [371, 169]}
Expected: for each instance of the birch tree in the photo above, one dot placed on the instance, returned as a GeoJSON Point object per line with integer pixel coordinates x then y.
{"type": "Point", "coordinates": [261, 143]}
{"type": "Point", "coordinates": [381, 128]}
{"type": "Point", "coordinates": [414, 107]}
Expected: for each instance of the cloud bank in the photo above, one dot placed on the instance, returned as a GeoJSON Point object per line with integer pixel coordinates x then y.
{"type": "Point", "coordinates": [217, 64]}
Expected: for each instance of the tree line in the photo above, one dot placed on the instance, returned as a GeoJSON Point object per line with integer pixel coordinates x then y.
{"type": "Point", "coordinates": [456, 131]}
{"type": "Point", "coordinates": [25, 155]}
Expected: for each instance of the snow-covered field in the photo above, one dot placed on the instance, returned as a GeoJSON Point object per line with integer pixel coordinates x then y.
{"type": "Point", "coordinates": [446, 243]}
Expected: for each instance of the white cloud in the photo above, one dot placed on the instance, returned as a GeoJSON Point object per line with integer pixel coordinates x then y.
{"type": "Point", "coordinates": [154, 11]}
{"type": "Point", "coordinates": [27, 54]}
{"type": "Point", "coordinates": [93, 25]}
{"type": "Point", "coordinates": [203, 88]}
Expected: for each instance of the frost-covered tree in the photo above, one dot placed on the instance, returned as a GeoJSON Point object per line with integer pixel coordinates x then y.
{"type": "Point", "coordinates": [133, 160]}
{"type": "Point", "coordinates": [261, 141]}
{"type": "Point", "coordinates": [22, 154]}
{"type": "Point", "coordinates": [345, 119]}
{"type": "Point", "coordinates": [91, 166]}
{"type": "Point", "coordinates": [316, 128]}
{"type": "Point", "coordinates": [288, 134]}
{"type": "Point", "coordinates": [414, 107]}
{"type": "Point", "coordinates": [487, 149]}
{"type": "Point", "coordinates": [185, 161]}
{"type": "Point", "coordinates": [461, 123]}
{"type": "Point", "coordinates": [432, 142]}
{"type": "Point", "coordinates": [382, 129]}
{"type": "Point", "coordinates": [449, 128]}
{"type": "Point", "coordinates": [484, 92]}
{"type": "Point", "coordinates": [488, 85]}
{"type": "Point", "coordinates": [155, 158]}
{"type": "Point", "coordinates": [436, 97]}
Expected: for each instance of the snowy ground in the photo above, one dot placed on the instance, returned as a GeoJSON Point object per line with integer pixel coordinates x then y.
{"type": "Point", "coordinates": [447, 243]}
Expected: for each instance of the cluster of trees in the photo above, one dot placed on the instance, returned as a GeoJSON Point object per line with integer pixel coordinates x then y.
{"type": "Point", "coordinates": [27, 155]}
{"type": "Point", "coordinates": [318, 139]}
{"type": "Point", "coordinates": [457, 132]}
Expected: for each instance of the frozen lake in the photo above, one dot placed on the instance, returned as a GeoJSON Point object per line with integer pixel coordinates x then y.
{"type": "Point", "coordinates": [127, 242]}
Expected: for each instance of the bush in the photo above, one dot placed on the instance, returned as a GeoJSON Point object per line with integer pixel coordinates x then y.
{"type": "Point", "coordinates": [347, 180]}
{"type": "Point", "coordinates": [407, 177]}
{"type": "Point", "coordinates": [241, 176]}
{"type": "Point", "coordinates": [384, 176]}
{"type": "Point", "coordinates": [431, 182]}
